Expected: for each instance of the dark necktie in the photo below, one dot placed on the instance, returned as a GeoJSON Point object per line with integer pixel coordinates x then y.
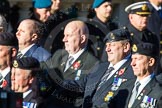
{"type": "Point", "coordinates": [104, 78]}
{"type": "Point", "coordinates": [69, 62]}
{"type": "Point", "coordinates": [19, 55]}
{"type": "Point", "coordinates": [134, 94]}
{"type": "Point", "coordinates": [160, 13]}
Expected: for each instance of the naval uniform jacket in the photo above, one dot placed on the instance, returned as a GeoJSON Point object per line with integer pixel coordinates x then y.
{"type": "Point", "coordinates": [88, 85]}
{"type": "Point", "coordinates": [153, 90]}
{"type": "Point", "coordinates": [98, 30]}
{"type": "Point", "coordinates": [142, 36]}
{"type": "Point", "coordinates": [154, 22]}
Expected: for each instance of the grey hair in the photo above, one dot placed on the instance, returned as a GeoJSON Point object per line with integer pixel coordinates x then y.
{"type": "Point", "coordinates": [3, 23]}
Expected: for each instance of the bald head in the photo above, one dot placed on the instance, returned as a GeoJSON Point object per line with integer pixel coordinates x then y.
{"type": "Point", "coordinates": [28, 32]}
{"type": "Point", "coordinates": [75, 36]}
{"type": "Point", "coordinates": [78, 26]}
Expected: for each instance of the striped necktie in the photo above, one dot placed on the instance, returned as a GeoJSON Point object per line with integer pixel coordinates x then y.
{"type": "Point", "coordinates": [19, 55]}
{"type": "Point", "coordinates": [69, 62]}
{"type": "Point", "coordinates": [104, 78]}
{"type": "Point", "coordinates": [134, 94]}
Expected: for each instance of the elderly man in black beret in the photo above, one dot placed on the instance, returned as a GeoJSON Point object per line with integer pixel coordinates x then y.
{"type": "Point", "coordinates": [99, 86]}
{"type": "Point", "coordinates": [145, 90]}
{"type": "Point", "coordinates": [24, 80]}
{"type": "Point", "coordinates": [8, 51]}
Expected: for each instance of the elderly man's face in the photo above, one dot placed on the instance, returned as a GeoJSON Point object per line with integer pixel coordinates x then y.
{"type": "Point", "coordinates": [139, 22]}
{"type": "Point", "coordinates": [117, 51]}
{"type": "Point", "coordinates": [20, 79]}
{"type": "Point", "coordinates": [73, 40]}
{"type": "Point", "coordinates": [42, 14]}
{"type": "Point", "coordinates": [140, 64]}
{"type": "Point", "coordinates": [5, 57]}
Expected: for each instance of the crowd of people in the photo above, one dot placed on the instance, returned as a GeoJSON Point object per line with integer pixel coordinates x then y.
{"type": "Point", "coordinates": [60, 62]}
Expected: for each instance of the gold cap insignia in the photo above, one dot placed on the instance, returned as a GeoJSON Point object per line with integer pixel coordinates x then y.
{"type": "Point", "coordinates": [134, 48]}
{"type": "Point", "coordinates": [112, 36]}
{"type": "Point", "coordinates": [144, 7]}
{"type": "Point", "coordinates": [15, 64]}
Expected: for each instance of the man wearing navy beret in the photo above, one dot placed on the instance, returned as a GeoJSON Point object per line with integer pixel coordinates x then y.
{"type": "Point", "coordinates": [145, 90]}
{"type": "Point", "coordinates": [8, 51]}
{"type": "Point", "coordinates": [24, 80]}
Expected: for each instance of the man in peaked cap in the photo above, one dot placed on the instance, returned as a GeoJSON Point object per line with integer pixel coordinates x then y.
{"type": "Point", "coordinates": [8, 51]}
{"type": "Point", "coordinates": [24, 80]}
{"type": "Point", "coordinates": [41, 10]}
{"type": "Point", "coordinates": [100, 25]}
{"type": "Point", "coordinates": [143, 63]}
{"type": "Point", "coordinates": [99, 86]}
{"type": "Point", "coordinates": [138, 14]}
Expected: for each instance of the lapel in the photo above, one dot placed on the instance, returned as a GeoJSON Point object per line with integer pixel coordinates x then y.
{"type": "Point", "coordinates": [109, 82]}
{"type": "Point", "coordinates": [30, 51]}
{"type": "Point", "coordinates": [94, 78]}
{"type": "Point", "coordinates": [147, 89]}
{"type": "Point", "coordinates": [8, 82]}
{"type": "Point", "coordinates": [29, 97]}
{"type": "Point", "coordinates": [63, 62]}
{"type": "Point", "coordinates": [80, 60]}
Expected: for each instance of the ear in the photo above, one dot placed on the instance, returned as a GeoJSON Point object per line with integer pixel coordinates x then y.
{"type": "Point", "coordinates": [31, 79]}
{"type": "Point", "coordinates": [126, 47]}
{"type": "Point", "coordinates": [151, 61]}
{"type": "Point", "coordinates": [34, 37]}
{"type": "Point", "coordinates": [83, 38]}
{"type": "Point", "coordinates": [130, 17]}
{"type": "Point", "coordinates": [13, 52]}
{"type": "Point", "coordinates": [95, 9]}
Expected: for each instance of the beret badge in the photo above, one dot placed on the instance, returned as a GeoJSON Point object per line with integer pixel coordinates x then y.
{"type": "Point", "coordinates": [134, 48]}
{"type": "Point", "coordinates": [144, 7]}
{"type": "Point", "coordinates": [112, 36]}
{"type": "Point", "coordinates": [15, 64]}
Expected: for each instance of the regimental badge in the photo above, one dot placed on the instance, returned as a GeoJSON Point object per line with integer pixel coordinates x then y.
{"type": "Point", "coordinates": [144, 7]}
{"type": "Point", "coordinates": [15, 64]}
{"type": "Point", "coordinates": [112, 36]}
{"type": "Point", "coordinates": [134, 48]}
{"type": "Point", "coordinates": [108, 96]}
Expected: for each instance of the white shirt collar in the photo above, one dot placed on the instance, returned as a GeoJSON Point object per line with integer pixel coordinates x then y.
{"type": "Point", "coordinates": [75, 56]}
{"type": "Point", "coordinates": [117, 66]}
{"type": "Point", "coordinates": [26, 49]}
{"type": "Point", "coordinates": [156, 7]}
{"type": "Point", "coordinates": [144, 82]}
{"type": "Point", "coordinates": [26, 93]}
{"type": "Point", "coordinates": [5, 72]}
